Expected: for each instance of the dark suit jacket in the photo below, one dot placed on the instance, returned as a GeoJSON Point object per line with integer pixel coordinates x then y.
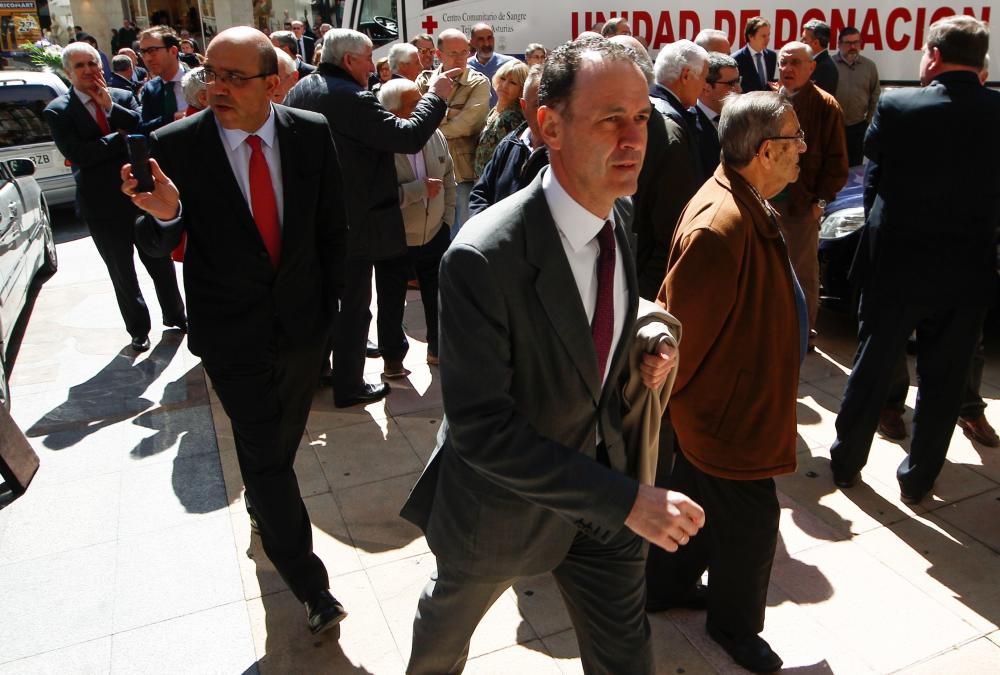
{"type": "Point", "coordinates": [826, 74]}
{"type": "Point", "coordinates": [671, 174]}
{"type": "Point", "coordinates": [933, 225]}
{"type": "Point", "coordinates": [96, 159]}
{"type": "Point", "coordinates": [367, 137]}
{"type": "Point", "coordinates": [238, 305]}
{"type": "Point", "coordinates": [304, 69]}
{"type": "Point", "coordinates": [514, 476]}
{"type": "Point", "coordinates": [119, 82]}
{"type": "Point", "coordinates": [749, 79]}
{"type": "Point", "coordinates": [708, 142]}
{"type": "Point", "coordinates": [310, 46]}
{"type": "Point", "coordinates": [153, 101]}
{"type": "Point", "coordinates": [512, 167]}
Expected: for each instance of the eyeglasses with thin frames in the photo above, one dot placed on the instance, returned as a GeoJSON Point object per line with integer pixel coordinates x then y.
{"type": "Point", "coordinates": [729, 83]}
{"type": "Point", "coordinates": [799, 136]}
{"type": "Point", "coordinates": [149, 50]}
{"type": "Point", "coordinates": [207, 76]}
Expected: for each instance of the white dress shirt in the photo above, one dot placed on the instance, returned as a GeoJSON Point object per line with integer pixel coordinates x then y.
{"type": "Point", "coordinates": [709, 113]}
{"type": "Point", "coordinates": [175, 82]}
{"type": "Point", "coordinates": [578, 230]}
{"type": "Point", "coordinates": [238, 153]}
{"type": "Point", "coordinates": [91, 108]}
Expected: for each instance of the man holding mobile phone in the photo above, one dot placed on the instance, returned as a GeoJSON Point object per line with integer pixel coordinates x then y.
{"type": "Point", "coordinates": [85, 124]}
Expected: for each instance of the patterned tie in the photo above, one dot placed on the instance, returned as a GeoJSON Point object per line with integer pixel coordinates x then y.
{"type": "Point", "coordinates": [169, 100]}
{"type": "Point", "coordinates": [102, 119]}
{"type": "Point", "coordinates": [263, 202]}
{"type": "Point", "coordinates": [761, 73]}
{"type": "Point", "coordinates": [603, 326]}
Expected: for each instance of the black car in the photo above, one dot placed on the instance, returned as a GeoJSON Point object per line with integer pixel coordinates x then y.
{"type": "Point", "coordinates": [839, 233]}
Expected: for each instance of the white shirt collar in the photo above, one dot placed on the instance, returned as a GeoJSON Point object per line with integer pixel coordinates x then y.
{"type": "Point", "coordinates": [578, 225]}
{"type": "Point", "coordinates": [709, 113]}
{"type": "Point", "coordinates": [526, 137]}
{"type": "Point", "coordinates": [754, 52]}
{"type": "Point", "coordinates": [234, 137]}
{"type": "Point", "coordinates": [84, 98]}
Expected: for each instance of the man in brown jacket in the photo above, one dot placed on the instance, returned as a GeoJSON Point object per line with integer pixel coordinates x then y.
{"type": "Point", "coordinates": [730, 285]}
{"type": "Point", "coordinates": [823, 167]}
{"type": "Point", "coordinates": [468, 106]}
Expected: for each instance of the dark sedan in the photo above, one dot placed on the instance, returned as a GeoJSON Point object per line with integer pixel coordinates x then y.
{"type": "Point", "coordinates": [839, 232]}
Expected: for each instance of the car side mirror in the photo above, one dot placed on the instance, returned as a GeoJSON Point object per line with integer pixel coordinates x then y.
{"type": "Point", "coordinates": [20, 168]}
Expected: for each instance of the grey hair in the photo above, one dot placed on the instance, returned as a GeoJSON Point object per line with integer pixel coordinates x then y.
{"type": "Point", "coordinates": [748, 119]}
{"type": "Point", "coordinates": [705, 37]}
{"type": "Point", "coordinates": [716, 62]}
{"type": "Point", "coordinates": [286, 63]}
{"type": "Point", "coordinates": [532, 80]}
{"type": "Point", "coordinates": [192, 85]}
{"type": "Point", "coordinates": [403, 52]}
{"type": "Point", "coordinates": [339, 42]}
{"type": "Point", "coordinates": [120, 63]}
{"type": "Point", "coordinates": [795, 45]}
{"type": "Point", "coordinates": [533, 47]}
{"type": "Point", "coordinates": [820, 31]}
{"type": "Point", "coordinates": [287, 39]}
{"type": "Point", "coordinates": [675, 57]}
{"type": "Point", "coordinates": [390, 94]}
{"type": "Point", "coordinates": [76, 48]}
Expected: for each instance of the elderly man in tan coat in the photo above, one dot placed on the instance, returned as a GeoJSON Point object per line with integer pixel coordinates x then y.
{"type": "Point", "coordinates": [729, 282]}
{"type": "Point", "coordinates": [468, 106]}
{"type": "Point", "coordinates": [427, 200]}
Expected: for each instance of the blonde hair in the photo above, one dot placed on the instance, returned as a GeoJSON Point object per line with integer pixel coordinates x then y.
{"type": "Point", "coordinates": [513, 70]}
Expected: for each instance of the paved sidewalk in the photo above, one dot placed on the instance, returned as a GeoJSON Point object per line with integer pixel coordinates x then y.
{"type": "Point", "coordinates": [132, 552]}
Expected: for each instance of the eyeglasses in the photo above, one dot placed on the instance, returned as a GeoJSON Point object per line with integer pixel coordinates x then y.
{"type": "Point", "coordinates": [729, 83]}
{"type": "Point", "coordinates": [426, 50]}
{"type": "Point", "coordinates": [800, 136]}
{"type": "Point", "coordinates": [850, 43]}
{"type": "Point", "coordinates": [149, 50]}
{"type": "Point", "coordinates": [206, 76]}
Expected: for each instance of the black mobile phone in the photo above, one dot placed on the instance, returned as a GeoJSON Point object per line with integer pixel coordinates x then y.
{"type": "Point", "coordinates": [138, 156]}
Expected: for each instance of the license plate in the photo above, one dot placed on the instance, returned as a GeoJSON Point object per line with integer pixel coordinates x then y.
{"type": "Point", "coordinates": [41, 159]}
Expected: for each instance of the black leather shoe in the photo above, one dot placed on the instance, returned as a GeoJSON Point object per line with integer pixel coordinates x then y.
{"type": "Point", "coordinates": [140, 344]}
{"type": "Point", "coordinates": [372, 351]}
{"type": "Point", "coordinates": [750, 651]}
{"type": "Point", "coordinates": [696, 598]}
{"type": "Point", "coordinates": [180, 324]}
{"type": "Point", "coordinates": [911, 498]}
{"type": "Point", "coordinates": [324, 612]}
{"type": "Point", "coordinates": [369, 394]}
{"type": "Point", "coordinates": [846, 481]}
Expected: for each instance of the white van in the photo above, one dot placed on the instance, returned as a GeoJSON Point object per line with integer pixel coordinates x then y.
{"type": "Point", "coordinates": [893, 33]}
{"type": "Point", "coordinates": [24, 132]}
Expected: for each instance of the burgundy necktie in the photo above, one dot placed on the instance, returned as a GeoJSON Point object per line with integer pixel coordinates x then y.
{"type": "Point", "coordinates": [603, 326]}
{"type": "Point", "coordinates": [102, 119]}
{"type": "Point", "coordinates": [263, 202]}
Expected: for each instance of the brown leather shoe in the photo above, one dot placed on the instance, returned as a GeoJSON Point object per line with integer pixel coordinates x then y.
{"type": "Point", "coordinates": [979, 430]}
{"type": "Point", "coordinates": [890, 424]}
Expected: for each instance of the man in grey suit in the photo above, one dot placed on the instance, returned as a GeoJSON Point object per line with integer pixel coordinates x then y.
{"type": "Point", "coordinates": [538, 303]}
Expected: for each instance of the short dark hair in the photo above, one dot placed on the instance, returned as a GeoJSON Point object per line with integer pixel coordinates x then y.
{"type": "Point", "coordinates": [754, 25]}
{"type": "Point", "coordinates": [164, 33]}
{"type": "Point", "coordinates": [847, 31]}
{"type": "Point", "coordinates": [563, 63]}
{"type": "Point", "coordinates": [962, 40]}
{"type": "Point", "coordinates": [120, 63]}
{"type": "Point", "coordinates": [820, 31]}
{"type": "Point", "coordinates": [422, 36]}
{"type": "Point", "coordinates": [716, 62]}
{"type": "Point", "coordinates": [287, 39]}
{"type": "Point", "coordinates": [611, 27]}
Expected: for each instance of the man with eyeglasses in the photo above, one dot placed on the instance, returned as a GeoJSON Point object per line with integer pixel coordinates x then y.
{"type": "Point", "coordinates": [262, 209]}
{"type": "Point", "coordinates": [723, 79]}
{"type": "Point", "coordinates": [857, 93]}
{"type": "Point", "coordinates": [730, 284]}
{"type": "Point", "coordinates": [425, 47]}
{"type": "Point", "coordinates": [468, 106]}
{"type": "Point", "coordinates": [823, 168]}
{"type": "Point", "coordinates": [163, 95]}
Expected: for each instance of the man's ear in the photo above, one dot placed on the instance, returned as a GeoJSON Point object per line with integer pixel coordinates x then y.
{"type": "Point", "coordinates": [550, 127]}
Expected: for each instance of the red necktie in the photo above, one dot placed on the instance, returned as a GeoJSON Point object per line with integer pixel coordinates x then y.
{"type": "Point", "coordinates": [262, 201]}
{"type": "Point", "coordinates": [603, 326]}
{"type": "Point", "coordinates": [102, 119]}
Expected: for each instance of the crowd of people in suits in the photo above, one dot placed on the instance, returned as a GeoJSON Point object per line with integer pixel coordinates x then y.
{"type": "Point", "coordinates": [566, 221]}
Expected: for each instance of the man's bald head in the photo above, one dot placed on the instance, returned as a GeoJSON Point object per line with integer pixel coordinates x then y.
{"type": "Point", "coordinates": [795, 66]}
{"type": "Point", "coordinates": [245, 37]}
{"type": "Point", "coordinates": [642, 54]}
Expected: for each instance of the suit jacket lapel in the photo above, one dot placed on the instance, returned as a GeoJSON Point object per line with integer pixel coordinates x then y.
{"type": "Point", "coordinates": [83, 117]}
{"type": "Point", "coordinates": [220, 173]}
{"type": "Point", "coordinates": [567, 315]}
{"type": "Point", "coordinates": [292, 180]}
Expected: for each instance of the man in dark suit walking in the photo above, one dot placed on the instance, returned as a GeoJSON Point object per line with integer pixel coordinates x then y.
{"type": "Point", "coordinates": [756, 62]}
{"type": "Point", "coordinates": [531, 473]}
{"type": "Point", "coordinates": [927, 259]}
{"type": "Point", "coordinates": [86, 124]}
{"type": "Point", "coordinates": [306, 45]}
{"type": "Point", "coordinates": [263, 212]}
{"type": "Point", "coordinates": [816, 34]}
{"type": "Point", "coordinates": [162, 96]}
{"type": "Point", "coordinates": [722, 80]}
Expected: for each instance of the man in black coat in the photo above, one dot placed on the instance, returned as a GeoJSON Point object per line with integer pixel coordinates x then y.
{"type": "Point", "coordinates": [816, 34]}
{"type": "Point", "coordinates": [306, 44]}
{"type": "Point", "coordinates": [367, 137]}
{"type": "Point", "coordinates": [927, 258]}
{"type": "Point", "coordinates": [722, 80]}
{"type": "Point", "coordinates": [756, 62]}
{"type": "Point", "coordinates": [263, 269]}
{"type": "Point", "coordinates": [85, 124]}
{"type": "Point", "coordinates": [162, 96]}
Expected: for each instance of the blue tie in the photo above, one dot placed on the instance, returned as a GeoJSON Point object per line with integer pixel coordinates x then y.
{"type": "Point", "coordinates": [760, 70]}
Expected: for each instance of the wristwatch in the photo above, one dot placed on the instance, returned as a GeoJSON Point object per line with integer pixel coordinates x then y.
{"type": "Point", "coordinates": [821, 203]}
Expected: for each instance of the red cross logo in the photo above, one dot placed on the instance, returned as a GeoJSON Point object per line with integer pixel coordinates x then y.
{"type": "Point", "coordinates": [429, 24]}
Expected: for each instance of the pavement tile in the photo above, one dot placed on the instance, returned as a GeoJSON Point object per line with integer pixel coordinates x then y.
{"type": "Point", "coordinates": [979, 656]}
{"type": "Point", "coordinates": [834, 580]}
{"type": "Point", "coordinates": [284, 645]}
{"type": "Point", "coordinates": [365, 453]}
{"type": "Point", "coordinates": [421, 429]}
{"type": "Point", "coordinates": [308, 470]}
{"type": "Point", "coordinates": [194, 563]}
{"type": "Point", "coordinates": [85, 658]}
{"type": "Point", "coordinates": [978, 516]}
{"type": "Point", "coordinates": [531, 657]}
{"type": "Point", "coordinates": [816, 415]}
{"type": "Point", "coordinates": [216, 640]}
{"type": "Point", "coordinates": [994, 637]}
{"type": "Point", "coordinates": [171, 431]}
{"type": "Point", "coordinates": [943, 562]}
{"type": "Point", "coordinates": [371, 512]}
{"type": "Point", "coordinates": [800, 529]}
{"type": "Point", "coordinates": [55, 518]}
{"type": "Point", "coordinates": [60, 599]}
{"type": "Point", "coordinates": [541, 605]}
